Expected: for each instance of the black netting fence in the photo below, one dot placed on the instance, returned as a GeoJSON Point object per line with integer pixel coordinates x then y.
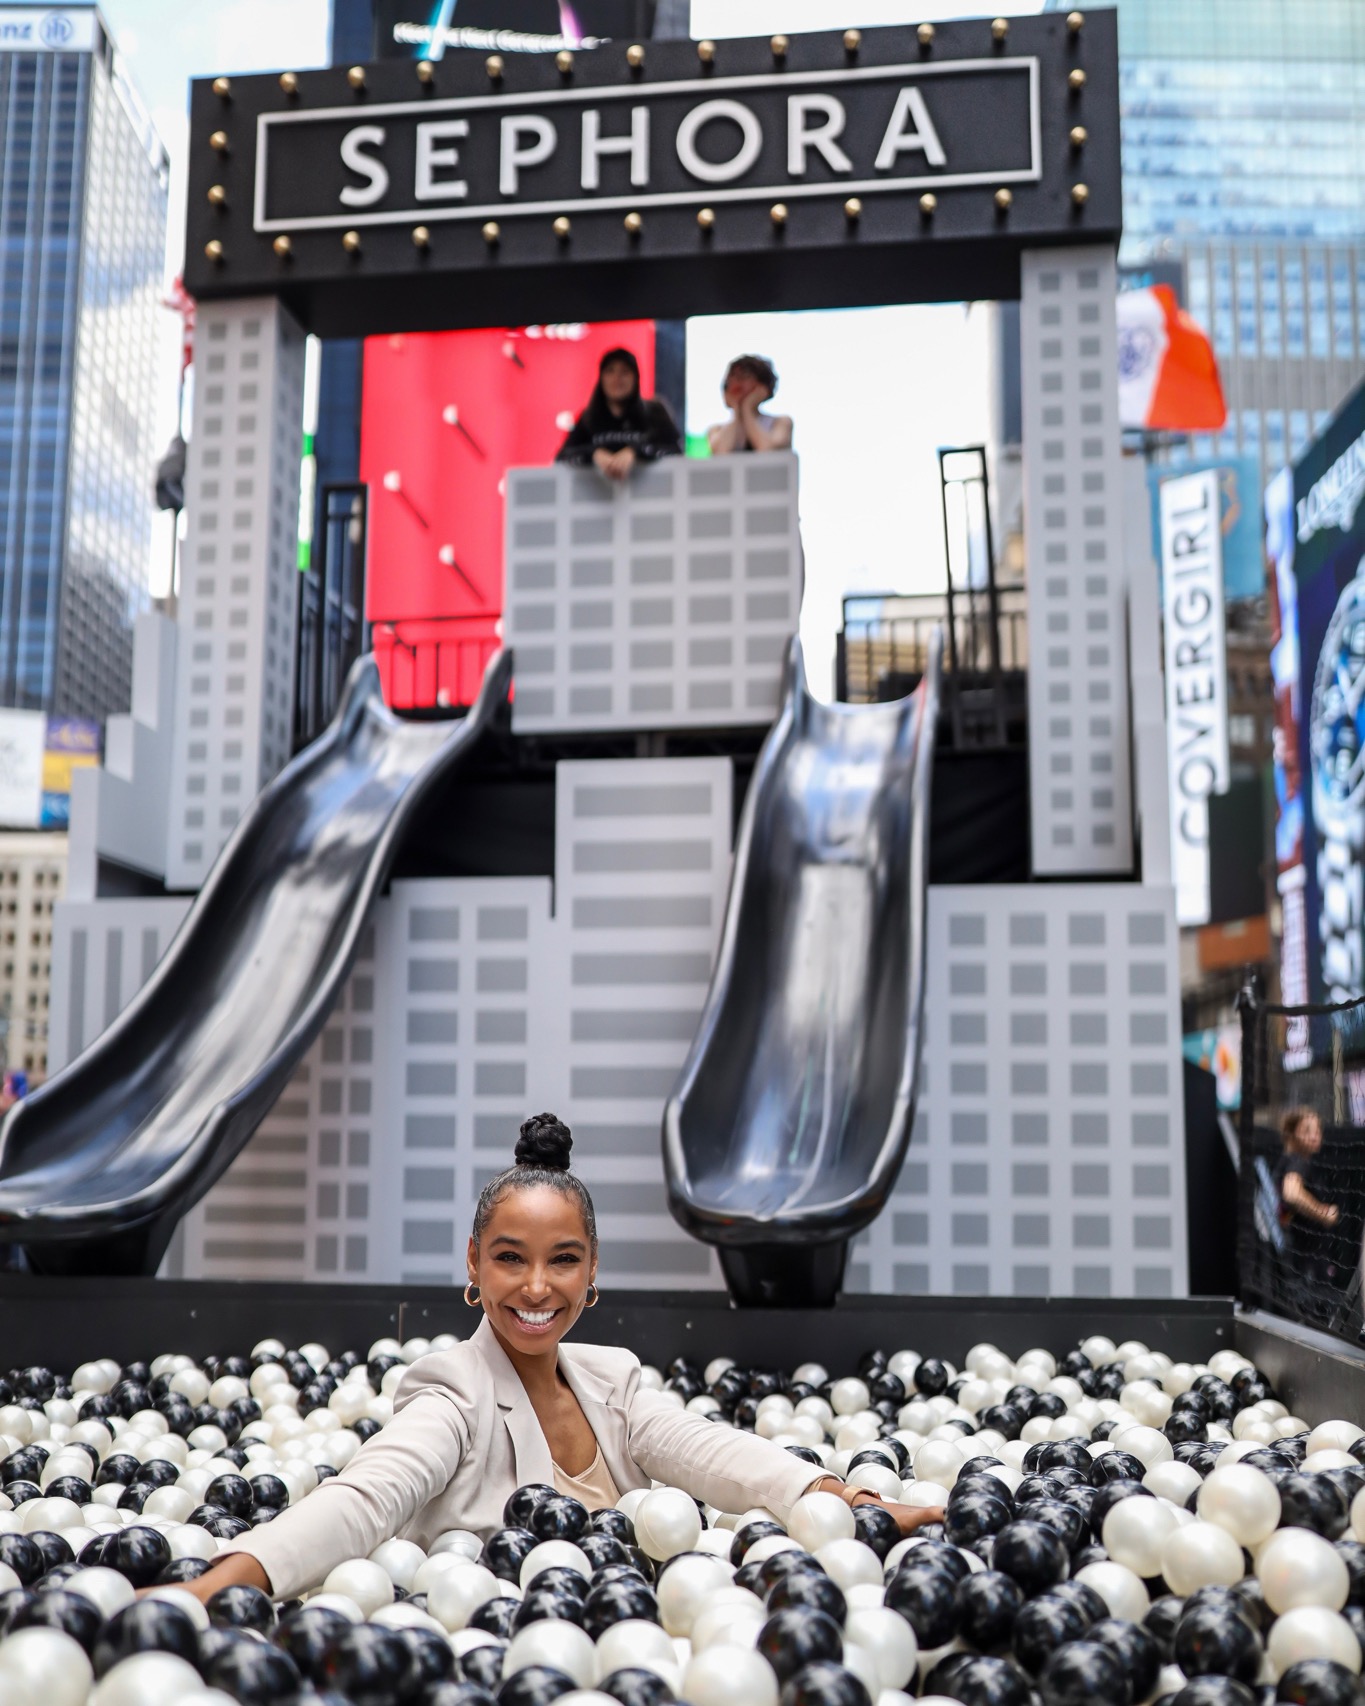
{"type": "Point", "coordinates": [1302, 1170]}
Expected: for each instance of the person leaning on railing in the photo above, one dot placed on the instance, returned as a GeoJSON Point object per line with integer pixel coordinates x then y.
{"type": "Point", "coordinates": [620, 427]}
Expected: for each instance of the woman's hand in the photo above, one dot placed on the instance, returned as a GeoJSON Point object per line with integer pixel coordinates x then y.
{"type": "Point", "coordinates": [614, 464]}
{"type": "Point", "coordinates": [910, 1517]}
{"type": "Point", "coordinates": [237, 1570]}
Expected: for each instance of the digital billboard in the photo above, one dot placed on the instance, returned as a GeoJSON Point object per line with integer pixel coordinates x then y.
{"type": "Point", "coordinates": [427, 29]}
{"type": "Point", "coordinates": [1315, 519]}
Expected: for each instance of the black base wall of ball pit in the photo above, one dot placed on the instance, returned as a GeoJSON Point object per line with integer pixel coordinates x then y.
{"type": "Point", "coordinates": [61, 1322]}
{"type": "Point", "coordinates": [1314, 1373]}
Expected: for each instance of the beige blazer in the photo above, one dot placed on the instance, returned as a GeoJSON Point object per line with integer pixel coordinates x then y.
{"type": "Point", "coordinates": [464, 1436]}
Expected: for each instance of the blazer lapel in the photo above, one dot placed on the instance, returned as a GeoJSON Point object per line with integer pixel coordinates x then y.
{"type": "Point", "coordinates": [530, 1449]}
{"type": "Point", "coordinates": [606, 1418]}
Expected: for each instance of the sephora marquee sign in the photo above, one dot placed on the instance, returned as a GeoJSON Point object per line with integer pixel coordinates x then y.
{"type": "Point", "coordinates": [859, 132]}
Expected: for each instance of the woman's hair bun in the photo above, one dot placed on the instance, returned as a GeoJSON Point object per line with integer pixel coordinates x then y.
{"type": "Point", "coordinates": [545, 1141]}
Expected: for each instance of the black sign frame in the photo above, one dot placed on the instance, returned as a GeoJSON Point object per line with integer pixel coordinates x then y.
{"type": "Point", "coordinates": [382, 199]}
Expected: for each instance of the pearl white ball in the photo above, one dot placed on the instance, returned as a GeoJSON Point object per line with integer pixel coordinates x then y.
{"type": "Point", "coordinates": [1173, 1481]}
{"type": "Point", "coordinates": [554, 1642]}
{"type": "Point", "coordinates": [1135, 1530]}
{"type": "Point", "coordinates": [849, 1562]}
{"type": "Point", "coordinates": [818, 1518]}
{"type": "Point", "coordinates": [146, 1679]}
{"type": "Point", "coordinates": [1198, 1555]}
{"type": "Point", "coordinates": [1243, 1501]}
{"type": "Point", "coordinates": [1122, 1591]}
{"type": "Point", "coordinates": [401, 1559]}
{"type": "Point", "coordinates": [43, 1667]}
{"type": "Point", "coordinates": [722, 1676]}
{"type": "Point", "coordinates": [369, 1585]}
{"type": "Point", "coordinates": [632, 1642]}
{"type": "Point", "coordinates": [1296, 1567]}
{"type": "Point", "coordinates": [667, 1522]}
{"type": "Point", "coordinates": [556, 1554]}
{"type": "Point", "coordinates": [849, 1396]}
{"type": "Point", "coordinates": [338, 1602]}
{"type": "Point", "coordinates": [684, 1588]}
{"type": "Point", "coordinates": [889, 1639]}
{"type": "Point", "coordinates": [103, 1587]}
{"type": "Point", "coordinates": [455, 1594]}
{"type": "Point", "coordinates": [1311, 1632]}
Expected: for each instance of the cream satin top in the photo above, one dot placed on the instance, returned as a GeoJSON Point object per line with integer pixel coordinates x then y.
{"type": "Point", "coordinates": [593, 1488]}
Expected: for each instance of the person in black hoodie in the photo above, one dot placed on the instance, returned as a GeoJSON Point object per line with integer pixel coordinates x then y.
{"type": "Point", "coordinates": [619, 427]}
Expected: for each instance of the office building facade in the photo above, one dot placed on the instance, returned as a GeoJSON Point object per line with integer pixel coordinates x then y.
{"type": "Point", "coordinates": [83, 185]}
{"type": "Point", "coordinates": [1243, 123]}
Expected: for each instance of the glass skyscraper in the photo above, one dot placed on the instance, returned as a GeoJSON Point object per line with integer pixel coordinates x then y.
{"type": "Point", "coordinates": [83, 182]}
{"type": "Point", "coordinates": [1243, 128]}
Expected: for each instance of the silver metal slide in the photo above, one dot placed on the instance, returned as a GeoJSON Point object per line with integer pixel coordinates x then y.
{"type": "Point", "coordinates": [98, 1164]}
{"type": "Point", "coordinates": [788, 1126]}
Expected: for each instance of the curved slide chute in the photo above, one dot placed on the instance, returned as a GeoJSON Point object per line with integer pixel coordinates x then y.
{"type": "Point", "coordinates": [98, 1165]}
{"type": "Point", "coordinates": [788, 1126]}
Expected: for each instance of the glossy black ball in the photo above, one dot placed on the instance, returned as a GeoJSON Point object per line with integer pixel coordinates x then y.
{"type": "Point", "coordinates": [980, 1681]}
{"type": "Point", "coordinates": [812, 1588]}
{"type": "Point", "coordinates": [506, 1550]}
{"type": "Point", "coordinates": [1136, 1648]}
{"type": "Point", "coordinates": [496, 1617]}
{"type": "Point", "coordinates": [135, 1495]}
{"type": "Point", "coordinates": [255, 1673]}
{"type": "Point", "coordinates": [796, 1636]}
{"type": "Point", "coordinates": [1066, 1454]}
{"type": "Point", "coordinates": [1083, 1672]}
{"type": "Point", "coordinates": [558, 1518]}
{"type": "Point", "coordinates": [305, 1635]}
{"type": "Point", "coordinates": [1043, 1625]}
{"type": "Point", "coordinates": [1062, 1517]}
{"type": "Point", "coordinates": [973, 1515]}
{"type": "Point", "coordinates": [145, 1626]}
{"type": "Point", "coordinates": [242, 1607]}
{"type": "Point", "coordinates": [535, 1686]}
{"type": "Point", "coordinates": [371, 1665]}
{"type": "Point", "coordinates": [615, 1523]}
{"type": "Point", "coordinates": [1035, 1555]}
{"type": "Point", "coordinates": [1046, 1404]}
{"type": "Point", "coordinates": [1212, 1691]}
{"type": "Point", "coordinates": [875, 1527]}
{"type": "Point", "coordinates": [231, 1493]}
{"type": "Point", "coordinates": [930, 1378]}
{"type": "Point", "coordinates": [1319, 1682]}
{"type": "Point", "coordinates": [603, 1550]}
{"type": "Point", "coordinates": [119, 1466]}
{"type": "Point", "coordinates": [23, 1557]}
{"type": "Point", "coordinates": [433, 1660]}
{"type": "Point", "coordinates": [988, 1604]}
{"type": "Point", "coordinates": [269, 1490]}
{"type": "Point", "coordinates": [636, 1687]}
{"type": "Point", "coordinates": [26, 1464]}
{"type": "Point", "coordinates": [516, 1513]}
{"type": "Point", "coordinates": [772, 1570]}
{"type": "Point", "coordinates": [1213, 1641]}
{"type": "Point", "coordinates": [182, 1570]}
{"type": "Point", "coordinates": [927, 1599]}
{"type": "Point", "coordinates": [1117, 1466]}
{"type": "Point", "coordinates": [1311, 1501]}
{"type": "Point", "coordinates": [560, 1579]}
{"type": "Point", "coordinates": [824, 1684]}
{"type": "Point", "coordinates": [1184, 1427]}
{"type": "Point", "coordinates": [748, 1534]}
{"type": "Point", "coordinates": [72, 1613]}
{"type": "Point", "coordinates": [541, 1604]}
{"type": "Point", "coordinates": [618, 1602]}
{"type": "Point", "coordinates": [55, 1550]}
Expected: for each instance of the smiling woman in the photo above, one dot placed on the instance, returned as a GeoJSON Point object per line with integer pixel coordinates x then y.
{"type": "Point", "coordinates": [514, 1407]}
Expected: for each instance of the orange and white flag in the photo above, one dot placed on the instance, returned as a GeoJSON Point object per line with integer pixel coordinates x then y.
{"type": "Point", "coordinates": [1168, 374]}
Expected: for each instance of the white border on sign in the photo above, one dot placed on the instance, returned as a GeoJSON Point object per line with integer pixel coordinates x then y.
{"type": "Point", "coordinates": [429, 215]}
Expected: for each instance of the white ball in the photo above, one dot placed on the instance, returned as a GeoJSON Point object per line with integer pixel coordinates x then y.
{"type": "Point", "coordinates": [43, 1667]}
{"type": "Point", "coordinates": [1358, 1515]}
{"type": "Point", "coordinates": [722, 1676]}
{"type": "Point", "coordinates": [849, 1396]}
{"type": "Point", "coordinates": [1243, 1501]}
{"type": "Point", "coordinates": [1296, 1567]}
{"type": "Point", "coordinates": [849, 1562]}
{"type": "Point", "coordinates": [461, 1541]}
{"type": "Point", "coordinates": [939, 1461]}
{"type": "Point", "coordinates": [369, 1585]}
{"type": "Point", "coordinates": [817, 1518]}
{"type": "Point", "coordinates": [889, 1639]}
{"type": "Point", "coordinates": [1146, 1443]}
{"type": "Point", "coordinates": [400, 1558]}
{"type": "Point", "coordinates": [1311, 1632]}
{"type": "Point", "coordinates": [1135, 1530]}
{"type": "Point", "coordinates": [455, 1594]}
{"type": "Point", "coordinates": [667, 1522]}
{"type": "Point", "coordinates": [338, 1602]}
{"type": "Point", "coordinates": [685, 1587]}
{"type": "Point", "coordinates": [1121, 1590]}
{"type": "Point", "coordinates": [632, 1642]}
{"type": "Point", "coordinates": [103, 1587]}
{"type": "Point", "coordinates": [554, 1642]}
{"type": "Point", "coordinates": [769, 1544]}
{"type": "Point", "coordinates": [557, 1554]}
{"type": "Point", "coordinates": [146, 1679]}
{"type": "Point", "coordinates": [193, 1608]}
{"type": "Point", "coordinates": [172, 1502]}
{"type": "Point", "coordinates": [1173, 1481]}
{"type": "Point", "coordinates": [1199, 1555]}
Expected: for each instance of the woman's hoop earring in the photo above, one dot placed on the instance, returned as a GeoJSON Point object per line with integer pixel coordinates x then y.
{"type": "Point", "coordinates": [595, 1299]}
{"type": "Point", "coordinates": [473, 1302]}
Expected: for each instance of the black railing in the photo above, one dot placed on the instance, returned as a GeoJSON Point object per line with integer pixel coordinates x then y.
{"type": "Point", "coordinates": [331, 613]}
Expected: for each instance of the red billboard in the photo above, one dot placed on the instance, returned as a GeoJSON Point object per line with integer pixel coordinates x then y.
{"type": "Point", "coordinates": [444, 416]}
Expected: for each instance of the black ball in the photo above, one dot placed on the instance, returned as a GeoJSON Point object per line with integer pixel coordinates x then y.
{"type": "Point", "coordinates": [618, 1602]}
{"type": "Point", "coordinates": [269, 1490]}
{"type": "Point", "coordinates": [1083, 1672]}
{"type": "Point", "coordinates": [930, 1378]}
{"type": "Point", "coordinates": [875, 1527]}
{"type": "Point", "coordinates": [980, 1681]}
{"type": "Point", "coordinates": [369, 1664]}
{"type": "Point", "coordinates": [1319, 1682]}
{"type": "Point", "coordinates": [182, 1570]}
{"type": "Point", "coordinates": [242, 1607]}
{"type": "Point", "coordinates": [496, 1617]}
{"type": "Point", "coordinates": [1117, 1466]}
{"type": "Point", "coordinates": [751, 1531]}
{"type": "Point", "coordinates": [1033, 1554]}
{"type": "Point", "coordinates": [812, 1588]}
{"type": "Point", "coordinates": [927, 1599]}
{"type": "Point", "coordinates": [1043, 1625]}
{"type": "Point", "coordinates": [231, 1493]}
{"type": "Point", "coordinates": [72, 1613]}
{"type": "Point", "coordinates": [772, 1570]}
{"type": "Point", "coordinates": [558, 1518]}
{"type": "Point", "coordinates": [1062, 1517]}
{"type": "Point", "coordinates": [1213, 1641]}
{"type": "Point", "coordinates": [1311, 1501]}
{"type": "Point", "coordinates": [1212, 1691]}
{"type": "Point", "coordinates": [603, 1550]}
{"type": "Point", "coordinates": [988, 1603]}
{"type": "Point", "coordinates": [824, 1684]}
{"type": "Point", "coordinates": [306, 1635]}
{"type": "Point", "coordinates": [796, 1636]}
{"type": "Point", "coordinates": [559, 1579]}
{"type": "Point", "coordinates": [534, 1686]}
{"type": "Point", "coordinates": [635, 1687]}
{"type": "Point", "coordinates": [516, 1513]}
{"type": "Point", "coordinates": [540, 1604]}
{"type": "Point", "coordinates": [434, 1662]}
{"type": "Point", "coordinates": [55, 1550]}
{"type": "Point", "coordinates": [23, 1556]}
{"type": "Point", "coordinates": [973, 1515]}
{"type": "Point", "coordinates": [615, 1523]}
{"type": "Point", "coordinates": [1136, 1648]}
{"type": "Point", "coordinates": [255, 1673]}
{"type": "Point", "coordinates": [146, 1626]}
{"type": "Point", "coordinates": [506, 1550]}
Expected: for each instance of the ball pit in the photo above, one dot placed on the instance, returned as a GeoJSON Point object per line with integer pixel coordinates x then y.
{"type": "Point", "coordinates": [1118, 1529]}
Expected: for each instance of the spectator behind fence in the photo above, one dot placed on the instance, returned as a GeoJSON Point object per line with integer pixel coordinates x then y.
{"type": "Point", "coordinates": [750, 381]}
{"type": "Point", "coordinates": [619, 427]}
{"type": "Point", "coordinates": [1302, 1212]}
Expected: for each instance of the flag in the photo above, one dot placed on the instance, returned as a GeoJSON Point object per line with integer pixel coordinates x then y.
{"type": "Point", "coordinates": [180, 302]}
{"type": "Point", "coordinates": [1168, 375]}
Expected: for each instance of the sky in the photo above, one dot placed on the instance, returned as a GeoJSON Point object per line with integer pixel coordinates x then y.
{"type": "Point", "coordinates": [873, 392]}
